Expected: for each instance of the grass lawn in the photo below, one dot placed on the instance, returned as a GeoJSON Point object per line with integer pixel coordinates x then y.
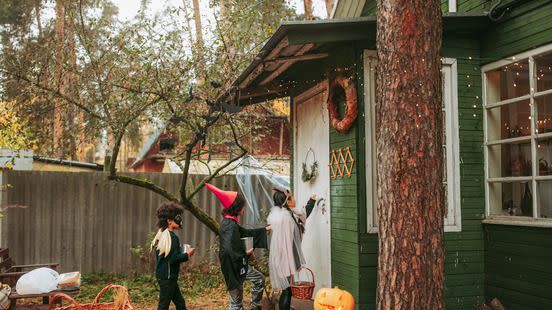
{"type": "Point", "coordinates": [201, 284]}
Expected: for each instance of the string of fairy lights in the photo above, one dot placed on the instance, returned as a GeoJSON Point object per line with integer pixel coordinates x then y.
{"type": "Point", "coordinates": [470, 81]}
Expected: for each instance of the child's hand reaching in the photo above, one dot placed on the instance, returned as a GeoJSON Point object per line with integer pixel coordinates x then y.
{"type": "Point", "coordinates": [313, 196]}
{"type": "Point", "coordinates": [190, 252]}
{"type": "Point", "coordinates": [249, 252]}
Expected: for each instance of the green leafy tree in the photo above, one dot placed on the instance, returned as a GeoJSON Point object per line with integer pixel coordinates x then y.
{"type": "Point", "coordinates": [14, 132]}
{"type": "Point", "coordinates": [140, 72]}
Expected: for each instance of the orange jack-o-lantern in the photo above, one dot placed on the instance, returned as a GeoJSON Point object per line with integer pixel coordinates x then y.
{"type": "Point", "coordinates": [333, 299]}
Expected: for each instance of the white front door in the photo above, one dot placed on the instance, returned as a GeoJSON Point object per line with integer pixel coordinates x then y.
{"type": "Point", "coordinates": [311, 142]}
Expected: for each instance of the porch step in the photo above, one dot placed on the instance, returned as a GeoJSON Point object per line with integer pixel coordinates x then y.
{"type": "Point", "coordinates": [296, 304]}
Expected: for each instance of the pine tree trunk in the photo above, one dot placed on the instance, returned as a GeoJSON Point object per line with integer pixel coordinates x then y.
{"type": "Point", "coordinates": [38, 18]}
{"type": "Point", "coordinates": [410, 155]}
{"type": "Point", "coordinates": [225, 9]}
{"type": "Point", "coordinates": [58, 73]}
{"type": "Point", "coordinates": [189, 25]}
{"type": "Point", "coordinates": [329, 7]}
{"type": "Point", "coordinates": [66, 131]}
{"type": "Point", "coordinates": [199, 43]}
{"type": "Point", "coordinates": [199, 34]}
{"type": "Point", "coordinates": [308, 9]}
{"type": "Point", "coordinates": [75, 115]}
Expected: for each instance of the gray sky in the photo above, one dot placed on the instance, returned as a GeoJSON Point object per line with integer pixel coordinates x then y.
{"type": "Point", "coordinates": [129, 8]}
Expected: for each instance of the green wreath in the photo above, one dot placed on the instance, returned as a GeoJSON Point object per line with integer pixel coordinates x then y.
{"type": "Point", "coordinates": [309, 175]}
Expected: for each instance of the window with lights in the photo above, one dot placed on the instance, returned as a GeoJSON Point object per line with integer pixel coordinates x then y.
{"type": "Point", "coordinates": [518, 138]}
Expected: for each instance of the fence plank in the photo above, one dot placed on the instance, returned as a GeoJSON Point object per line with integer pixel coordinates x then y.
{"type": "Point", "coordinates": [87, 223]}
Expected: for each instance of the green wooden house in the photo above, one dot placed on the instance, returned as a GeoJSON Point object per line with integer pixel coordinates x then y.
{"type": "Point", "coordinates": [497, 86]}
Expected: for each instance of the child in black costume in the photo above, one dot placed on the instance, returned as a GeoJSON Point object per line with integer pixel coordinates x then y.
{"type": "Point", "coordinates": [169, 255]}
{"type": "Point", "coordinates": [232, 253]}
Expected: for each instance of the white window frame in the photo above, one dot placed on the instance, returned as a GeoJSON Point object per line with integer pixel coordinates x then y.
{"type": "Point", "coordinates": [453, 222]}
{"type": "Point", "coordinates": [452, 6]}
{"type": "Point", "coordinates": [535, 221]}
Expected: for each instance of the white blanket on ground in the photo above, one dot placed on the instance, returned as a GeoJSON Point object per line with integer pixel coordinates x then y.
{"type": "Point", "coordinates": [38, 281]}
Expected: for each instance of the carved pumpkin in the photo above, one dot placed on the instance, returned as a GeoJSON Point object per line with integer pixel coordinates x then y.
{"type": "Point", "coordinates": [333, 299]}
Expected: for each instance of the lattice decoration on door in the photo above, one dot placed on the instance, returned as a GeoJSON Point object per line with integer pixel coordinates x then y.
{"type": "Point", "coordinates": [341, 163]}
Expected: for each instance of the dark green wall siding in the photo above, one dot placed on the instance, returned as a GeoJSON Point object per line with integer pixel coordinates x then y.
{"type": "Point", "coordinates": [512, 263]}
{"type": "Point", "coordinates": [444, 6]}
{"type": "Point", "coordinates": [369, 8]}
{"type": "Point", "coordinates": [368, 269]}
{"type": "Point", "coordinates": [344, 202]}
{"type": "Point", "coordinates": [349, 8]}
{"type": "Point", "coordinates": [519, 266]}
{"type": "Point", "coordinates": [461, 6]}
{"type": "Point", "coordinates": [525, 28]}
{"type": "Point", "coordinates": [345, 221]}
{"type": "Point", "coordinates": [518, 260]}
{"type": "Point", "coordinates": [464, 264]}
{"type": "Point", "coordinates": [464, 251]}
{"type": "Point", "coordinates": [473, 5]}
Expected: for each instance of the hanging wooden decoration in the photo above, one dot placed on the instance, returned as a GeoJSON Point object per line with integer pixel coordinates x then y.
{"type": "Point", "coordinates": [341, 163]}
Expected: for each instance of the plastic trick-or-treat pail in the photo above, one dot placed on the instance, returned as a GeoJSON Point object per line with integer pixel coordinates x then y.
{"type": "Point", "coordinates": [248, 243]}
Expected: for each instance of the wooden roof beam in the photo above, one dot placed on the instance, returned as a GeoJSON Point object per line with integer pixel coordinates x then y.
{"type": "Point", "coordinates": [298, 58]}
{"type": "Point", "coordinates": [262, 91]}
{"type": "Point", "coordinates": [286, 65]}
{"type": "Point", "coordinates": [260, 68]}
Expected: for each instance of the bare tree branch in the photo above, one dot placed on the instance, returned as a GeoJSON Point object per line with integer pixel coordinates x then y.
{"type": "Point", "coordinates": [218, 170]}
{"type": "Point", "coordinates": [55, 92]}
{"type": "Point", "coordinates": [199, 135]}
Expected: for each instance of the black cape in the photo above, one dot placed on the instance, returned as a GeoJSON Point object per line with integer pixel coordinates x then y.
{"type": "Point", "coordinates": [233, 261]}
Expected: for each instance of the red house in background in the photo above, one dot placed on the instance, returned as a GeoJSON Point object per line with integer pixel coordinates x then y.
{"type": "Point", "coordinates": [274, 145]}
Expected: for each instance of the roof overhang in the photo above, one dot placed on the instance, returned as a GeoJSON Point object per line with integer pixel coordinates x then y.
{"type": "Point", "coordinates": [301, 41]}
{"type": "Point", "coordinates": [70, 163]}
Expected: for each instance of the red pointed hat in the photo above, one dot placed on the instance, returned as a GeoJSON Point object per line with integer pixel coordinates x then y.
{"type": "Point", "coordinates": [227, 198]}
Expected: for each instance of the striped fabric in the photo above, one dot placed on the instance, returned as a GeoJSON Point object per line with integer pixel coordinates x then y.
{"type": "Point", "coordinates": [5, 296]}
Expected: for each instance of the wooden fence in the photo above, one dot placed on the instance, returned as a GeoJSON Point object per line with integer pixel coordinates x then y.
{"type": "Point", "coordinates": [87, 223]}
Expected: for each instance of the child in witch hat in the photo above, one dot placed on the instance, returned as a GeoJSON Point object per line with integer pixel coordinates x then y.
{"type": "Point", "coordinates": [232, 253]}
{"type": "Point", "coordinates": [169, 255]}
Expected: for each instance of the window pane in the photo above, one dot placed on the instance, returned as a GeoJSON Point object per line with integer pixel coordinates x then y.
{"type": "Point", "coordinates": [544, 71]}
{"type": "Point", "coordinates": [510, 160]}
{"type": "Point", "coordinates": [544, 114]}
{"type": "Point", "coordinates": [513, 199]}
{"type": "Point", "coordinates": [508, 82]}
{"type": "Point", "coordinates": [545, 198]}
{"type": "Point", "coordinates": [509, 121]}
{"type": "Point", "coordinates": [544, 156]}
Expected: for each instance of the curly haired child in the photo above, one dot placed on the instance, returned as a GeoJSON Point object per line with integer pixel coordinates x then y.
{"type": "Point", "coordinates": [169, 255]}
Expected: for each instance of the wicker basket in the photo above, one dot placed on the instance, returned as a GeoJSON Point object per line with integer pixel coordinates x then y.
{"type": "Point", "coordinates": [95, 305]}
{"type": "Point", "coordinates": [303, 289]}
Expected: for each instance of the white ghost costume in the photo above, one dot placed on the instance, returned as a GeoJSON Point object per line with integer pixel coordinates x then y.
{"type": "Point", "coordinates": [286, 256]}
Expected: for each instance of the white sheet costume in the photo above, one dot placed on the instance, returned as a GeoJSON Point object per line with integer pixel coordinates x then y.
{"type": "Point", "coordinates": [286, 256]}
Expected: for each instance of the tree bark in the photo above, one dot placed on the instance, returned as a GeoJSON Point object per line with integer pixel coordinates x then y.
{"type": "Point", "coordinates": [409, 155]}
{"type": "Point", "coordinates": [308, 9]}
{"type": "Point", "coordinates": [225, 9]}
{"type": "Point", "coordinates": [65, 127]}
{"type": "Point", "coordinates": [58, 102]}
{"type": "Point", "coordinates": [329, 7]}
{"type": "Point", "coordinates": [38, 19]}
{"type": "Point", "coordinates": [197, 44]}
{"type": "Point", "coordinates": [199, 34]}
